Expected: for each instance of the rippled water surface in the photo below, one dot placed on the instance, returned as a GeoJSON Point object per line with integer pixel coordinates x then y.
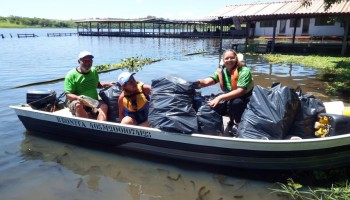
{"type": "Point", "coordinates": [37, 168]}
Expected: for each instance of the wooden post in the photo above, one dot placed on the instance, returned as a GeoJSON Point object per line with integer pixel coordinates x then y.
{"type": "Point", "coordinates": [159, 29]}
{"type": "Point", "coordinates": [220, 48]}
{"type": "Point", "coordinates": [295, 29]}
{"type": "Point", "coordinates": [78, 25]}
{"type": "Point", "coordinates": [247, 32]}
{"type": "Point", "coordinates": [273, 36]}
{"type": "Point", "coordinates": [345, 37]}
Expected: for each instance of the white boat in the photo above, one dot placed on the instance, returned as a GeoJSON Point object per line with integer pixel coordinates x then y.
{"type": "Point", "coordinates": [315, 153]}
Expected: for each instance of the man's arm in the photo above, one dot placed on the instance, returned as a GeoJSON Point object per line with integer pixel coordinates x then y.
{"type": "Point", "coordinates": [72, 97]}
{"type": "Point", "coordinates": [105, 84]}
{"type": "Point", "coordinates": [146, 89]}
{"type": "Point", "coordinates": [205, 82]}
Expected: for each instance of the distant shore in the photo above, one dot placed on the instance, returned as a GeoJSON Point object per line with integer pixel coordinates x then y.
{"type": "Point", "coordinates": [26, 22]}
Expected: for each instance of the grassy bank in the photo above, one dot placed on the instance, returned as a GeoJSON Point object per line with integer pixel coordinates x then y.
{"type": "Point", "coordinates": [12, 25]}
{"type": "Point", "coordinates": [335, 71]}
{"type": "Point", "coordinates": [26, 22]}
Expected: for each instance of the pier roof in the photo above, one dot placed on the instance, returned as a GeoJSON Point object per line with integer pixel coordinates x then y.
{"type": "Point", "coordinates": [146, 20]}
{"type": "Point", "coordinates": [281, 9]}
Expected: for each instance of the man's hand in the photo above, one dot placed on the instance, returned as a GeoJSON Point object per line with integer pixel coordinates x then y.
{"type": "Point", "coordinates": [196, 85]}
{"type": "Point", "coordinates": [215, 101]}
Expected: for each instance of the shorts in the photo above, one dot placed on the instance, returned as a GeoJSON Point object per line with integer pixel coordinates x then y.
{"type": "Point", "coordinates": [139, 116]}
{"type": "Point", "coordinates": [92, 112]}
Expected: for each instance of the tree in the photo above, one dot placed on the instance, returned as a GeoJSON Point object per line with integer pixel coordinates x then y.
{"type": "Point", "coordinates": [328, 3]}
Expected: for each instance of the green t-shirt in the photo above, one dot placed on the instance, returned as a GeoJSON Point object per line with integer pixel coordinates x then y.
{"type": "Point", "coordinates": [245, 79]}
{"type": "Point", "coordinates": [82, 84]}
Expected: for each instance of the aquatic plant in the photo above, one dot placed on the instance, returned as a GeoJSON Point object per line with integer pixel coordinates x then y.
{"type": "Point", "coordinates": [293, 190]}
{"type": "Point", "coordinates": [133, 64]}
{"type": "Point", "coordinates": [196, 52]}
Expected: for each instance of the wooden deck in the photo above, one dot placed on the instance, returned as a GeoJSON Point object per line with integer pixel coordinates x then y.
{"type": "Point", "coordinates": [157, 34]}
{"type": "Point", "coordinates": [60, 34]}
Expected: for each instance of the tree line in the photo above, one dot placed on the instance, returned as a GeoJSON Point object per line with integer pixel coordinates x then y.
{"type": "Point", "coordinates": [36, 22]}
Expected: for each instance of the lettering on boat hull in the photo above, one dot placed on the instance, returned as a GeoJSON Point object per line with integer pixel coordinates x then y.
{"type": "Point", "coordinates": [104, 127]}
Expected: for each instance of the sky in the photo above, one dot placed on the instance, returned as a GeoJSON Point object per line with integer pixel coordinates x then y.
{"type": "Point", "coordinates": [125, 9]}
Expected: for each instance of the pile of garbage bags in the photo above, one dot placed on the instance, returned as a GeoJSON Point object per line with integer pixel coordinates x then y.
{"type": "Point", "coordinates": [176, 107]}
{"type": "Point", "coordinates": [279, 112]}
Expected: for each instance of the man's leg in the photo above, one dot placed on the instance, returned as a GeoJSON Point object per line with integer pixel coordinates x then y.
{"type": "Point", "coordinates": [102, 112]}
{"type": "Point", "coordinates": [236, 109]}
{"type": "Point", "coordinates": [77, 109]}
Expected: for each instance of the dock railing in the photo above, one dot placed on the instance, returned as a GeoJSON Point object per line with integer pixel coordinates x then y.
{"type": "Point", "coordinates": [60, 34]}
{"type": "Point", "coordinates": [25, 35]}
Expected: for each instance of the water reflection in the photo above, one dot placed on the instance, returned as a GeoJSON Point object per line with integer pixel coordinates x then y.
{"type": "Point", "coordinates": [289, 75]}
{"type": "Point", "coordinates": [122, 174]}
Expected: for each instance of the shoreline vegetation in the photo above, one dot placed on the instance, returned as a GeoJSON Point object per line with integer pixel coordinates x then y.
{"type": "Point", "coordinates": [27, 22]}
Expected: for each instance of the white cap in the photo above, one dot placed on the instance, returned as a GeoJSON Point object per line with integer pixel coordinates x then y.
{"type": "Point", "coordinates": [240, 57]}
{"type": "Point", "coordinates": [124, 77]}
{"type": "Point", "coordinates": [84, 54]}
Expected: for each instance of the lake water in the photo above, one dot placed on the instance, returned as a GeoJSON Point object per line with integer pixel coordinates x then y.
{"type": "Point", "coordinates": [35, 168]}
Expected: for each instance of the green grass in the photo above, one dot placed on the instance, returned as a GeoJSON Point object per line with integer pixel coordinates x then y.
{"type": "Point", "coordinates": [293, 190]}
{"type": "Point", "coordinates": [11, 25]}
{"type": "Point", "coordinates": [26, 22]}
{"type": "Point", "coordinates": [315, 61]}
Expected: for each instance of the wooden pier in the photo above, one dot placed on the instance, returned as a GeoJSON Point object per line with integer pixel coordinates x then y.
{"type": "Point", "coordinates": [156, 28]}
{"type": "Point", "coordinates": [25, 35]}
{"type": "Point", "coordinates": [60, 34]}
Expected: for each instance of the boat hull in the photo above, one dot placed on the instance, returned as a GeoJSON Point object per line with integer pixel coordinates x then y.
{"type": "Point", "coordinates": [233, 152]}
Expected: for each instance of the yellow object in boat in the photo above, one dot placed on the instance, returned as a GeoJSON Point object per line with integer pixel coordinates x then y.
{"type": "Point", "coordinates": [322, 126]}
{"type": "Point", "coordinates": [346, 111]}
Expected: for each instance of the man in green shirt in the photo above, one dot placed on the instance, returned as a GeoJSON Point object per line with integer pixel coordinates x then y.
{"type": "Point", "coordinates": [84, 80]}
{"type": "Point", "coordinates": [236, 82]}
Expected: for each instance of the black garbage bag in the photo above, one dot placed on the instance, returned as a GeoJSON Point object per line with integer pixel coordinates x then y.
{"type": "Point", "coordinates": [306, 117]}
{"type": "Point", "coordinates": [209, 121]}
{"type": "Point", "coordinates": [172, 84]}
{"type": "Point", "coordinates": [269, 114]}
{"type": "Point", "coordinates": [171, 105]}
{"type": "Point", "coordinates": [110, 96]}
